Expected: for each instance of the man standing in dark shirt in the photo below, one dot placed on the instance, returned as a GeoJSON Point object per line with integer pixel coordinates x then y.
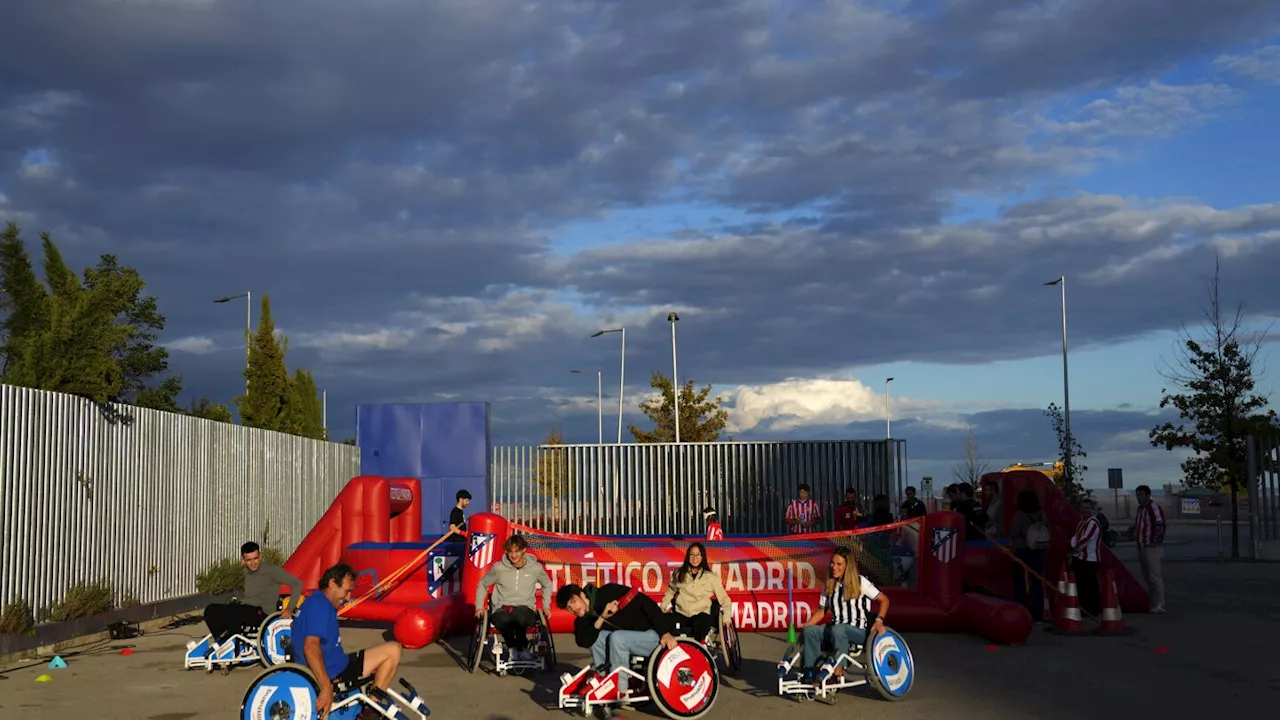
{"type": "Point", "coordinates": [976, 519]}
{"type": "Point", "coordinates": [458, 521]}
{"type": "Point", "coordinates": [616, 622]}
{"type": "Point", "coordinates": [849, 514]}
{"type": "Point", "coordinates": [912, 507]}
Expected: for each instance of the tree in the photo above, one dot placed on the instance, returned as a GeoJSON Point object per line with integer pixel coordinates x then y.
{"type": "Point", "coordinates": [209, 410]}
{"type": "Point", "coordinates": [552, 474]}
{"type": "Point", "coordinates": [266, 403]}
{"type": "Point", "coordinates": [970, 471]}
{"type": "Point", "coordinates": [1068, 452]}
{"type": "Point", "coordinates": [1214, 379]}
{"type": "Point", "coordinates": [701, 419]}
{"type": "Point", "coordinates": [24, 298]}
{"type": "Point", "coordinates": [305, 407]}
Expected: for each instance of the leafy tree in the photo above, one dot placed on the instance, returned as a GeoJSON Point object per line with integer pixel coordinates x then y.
{"type": "Point", "coordinates": [209, 410]}
{"type": "Point", "coordinates": [22, 296]}
{"type": "Point", "coordinates": [552, 474]}
{"type": "Point", "coordinates": [266, 403]}
{"type": "Point", "coordinates": [701, 419]}
{"type": "Point", "coordinates": [1069, 450]}
{"type": "Point", "coordinates": [1214, 379]}
{"type": "Point", "coordinates": [349, 441]}
{"type": "Point", "coordinates": [971, 470]}
{"type": "Point", "coordinates": [305, 407]}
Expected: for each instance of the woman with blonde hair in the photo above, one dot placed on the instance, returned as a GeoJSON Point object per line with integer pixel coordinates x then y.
{"type": "Point", "coordinates": [695, 588]}
{"type": "Point", "coordinates": [847, 598]}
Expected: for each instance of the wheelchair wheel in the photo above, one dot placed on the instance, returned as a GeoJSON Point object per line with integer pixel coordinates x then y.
{"type": "Point", "coordinates": [283, 692]}
{"type": "Point", "coordinates": [683, 682]}
{"type": "Point", "coordinates": [479, 639]}
{"type": "Point", "coordinates": [275, 640]}
{"type": "Point", "coordinates": [732, 650]}
{"type": "Point", "coordinates": [552, 661]}
{"type": "Point", "coordinates": [890, 666]}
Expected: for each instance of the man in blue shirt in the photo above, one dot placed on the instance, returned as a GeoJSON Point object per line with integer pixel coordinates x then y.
{"type": "Point", "coordinates": [316, 629]}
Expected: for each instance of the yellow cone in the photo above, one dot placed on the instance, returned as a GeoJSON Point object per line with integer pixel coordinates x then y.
{"type": "Point", "coordinates": [44, 678]}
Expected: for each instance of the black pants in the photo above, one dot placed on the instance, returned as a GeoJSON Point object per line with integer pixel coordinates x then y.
{"type": "Point", "coordinates": [513, 624]}
{"type": "Point", "coordinates": [695, 627]}
{"type": "Point", "coordinates": [1087, 585]}
{"type": "Point", "coordinates": [1027, 589]}
{"type": "Point", "coordinates": [226, 619]}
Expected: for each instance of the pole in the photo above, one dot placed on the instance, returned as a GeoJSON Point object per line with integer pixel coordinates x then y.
{"type": "Point", "coordinates": [622, 382]}
{"type": "Point", "coordinates": [1066, 388]}
{"type": "Point", "coordinates": [675, 383]}
{"type": "Point", "coordinates": [888, 408]}
{"type": "Point", "coordinates": [248, 333]}
{"type": "Point", "coordinates": [599, 409]}
{"type": "Point", "coordinates": [324, 410]}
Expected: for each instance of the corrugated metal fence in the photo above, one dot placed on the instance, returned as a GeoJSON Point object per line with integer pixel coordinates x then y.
{"type": "Point", "coordinates": [661, 488]}
{"type": "Point", "coordinates": [145, 499]}
{"type": "Point", "coordinates": [1263, 466]}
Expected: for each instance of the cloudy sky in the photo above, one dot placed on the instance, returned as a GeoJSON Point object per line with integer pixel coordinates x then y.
{"type": "Point", "coordinates": [445, 198]}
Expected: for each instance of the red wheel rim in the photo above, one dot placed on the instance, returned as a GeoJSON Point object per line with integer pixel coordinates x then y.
{"type": "Point", "coordinates": [685, 679]}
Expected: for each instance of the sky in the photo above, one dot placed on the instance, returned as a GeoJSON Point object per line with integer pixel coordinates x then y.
{"type": "Point", "coordinates": [444, 199]}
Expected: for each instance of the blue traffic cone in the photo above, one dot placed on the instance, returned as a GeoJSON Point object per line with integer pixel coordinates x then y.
{"type": "Point", "coordinates": [57, 663]}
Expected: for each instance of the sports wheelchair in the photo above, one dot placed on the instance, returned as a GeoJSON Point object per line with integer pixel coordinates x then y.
{"type": "Point", "coordinates": [719, 640]}
{"type": "Point", "coordinates": [487, 637]}
{"type": "Point", "coordinates": [267, 643]}
{"type": "Point", "coordinates": [682, 682]}
{"type": "Point", "coordinates": [885, 663]}
{"type": "Point", "coordinates": [289, 692]}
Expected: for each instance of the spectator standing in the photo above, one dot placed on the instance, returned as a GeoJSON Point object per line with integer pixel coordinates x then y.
{"type": "Point", "coordinates": [994, 509]}
{"type": "Point", "coordinates": [1084, 557]}
{"type": "Point", "coordinates": [912, 507]}
{"type": "Point", "coordinates": [803, 514]}
{"type": "Point", "coordinates": [849, 514]}
{"type": "Point", "coordinates": [1029, 536]}
{"type": "Point", "coordinates": [1148, 531]}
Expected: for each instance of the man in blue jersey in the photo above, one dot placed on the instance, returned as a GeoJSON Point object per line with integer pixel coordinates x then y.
{"type": "Point", "coordinates": [316, 630]}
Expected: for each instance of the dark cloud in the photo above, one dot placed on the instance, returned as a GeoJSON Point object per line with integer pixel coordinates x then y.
{"type": "Point", "coordinates": [395, 173]}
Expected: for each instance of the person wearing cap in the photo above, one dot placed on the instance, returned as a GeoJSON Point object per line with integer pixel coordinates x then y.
{"type": "Point", "coordinates": [458, 521]}
{"type": "Point", "coordinates": [714, 531]}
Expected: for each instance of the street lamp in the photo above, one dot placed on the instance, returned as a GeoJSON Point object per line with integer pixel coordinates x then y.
{"type": "Point", "coordinates": [622, 374]}
{"type": "Point", "coordinates": [887, 409]}
{"type": "Point", "coordinates": [675, 383]}
{"type": "Point", "coordinates": [599, 405]}
{"type": "Point", "coordinates": [1066, 388]}
{"type": "Point", "coordinates": [248, 327]}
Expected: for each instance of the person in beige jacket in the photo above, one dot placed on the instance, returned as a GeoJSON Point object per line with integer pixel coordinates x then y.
{"type": "Point", "coordinates": [693, 588]}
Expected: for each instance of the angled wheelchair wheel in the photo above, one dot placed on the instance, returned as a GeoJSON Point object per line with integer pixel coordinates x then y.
{"type": "Point", "coordinates": [732, 650]}
{"type": "Point", "coordinates": [275, 640]}
{"type": "Point", "coordinates": [890, 667]}
{"type": "Point", "coordinates": [283, 692]}
{"type": "Point", "coordinates": [550, 637]}
{"type": "Point", "coordinates": [683, 682]}
{"type": "Point", "coordinates": [479, 639]}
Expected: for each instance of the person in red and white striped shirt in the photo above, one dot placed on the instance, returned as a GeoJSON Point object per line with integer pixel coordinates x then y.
{"type": "Point", "coordinates": [1148, 531]}
{"type": "Point", "coordinates": [1084, 557]}
{"type": "Point", "coordinates": [714, 531]}
{"type": "Point", "coordinates": [803, 514]}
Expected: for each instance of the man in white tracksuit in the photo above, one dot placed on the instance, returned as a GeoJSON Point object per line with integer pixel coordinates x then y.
{"type": "Point", "coordinates": [514, 604]}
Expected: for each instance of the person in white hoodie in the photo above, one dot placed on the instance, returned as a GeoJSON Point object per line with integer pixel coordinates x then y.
{"type": "Point", "coordinates": [514, 579]}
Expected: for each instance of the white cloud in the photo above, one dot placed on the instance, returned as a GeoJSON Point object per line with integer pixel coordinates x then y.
{"type": "Point", "coordinates": [195, 345]}
{"type": "Point", "coordinates": [1260, 64]}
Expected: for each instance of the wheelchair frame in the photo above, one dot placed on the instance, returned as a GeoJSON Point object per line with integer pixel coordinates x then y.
{"type": "Point", "coordinates": [878, 663]}
{"type": "Point", "coordinates": [246, 647]}
{"type": "Point", "coordinates": [726, 644]}
{"type": "Point", "coordinates": [486, 637]}
{"type": "Point", "coordinates": [298, 694]}
{"type": "Point", "coordinates": [589, 688]}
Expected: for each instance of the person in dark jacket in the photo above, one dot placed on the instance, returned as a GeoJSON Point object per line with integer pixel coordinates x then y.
{"type": "Point", "coordinates": [616, 622]}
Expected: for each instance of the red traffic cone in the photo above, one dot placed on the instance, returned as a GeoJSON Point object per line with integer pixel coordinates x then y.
{"type": "Point", "coordinates": [1067, 621]}
{"type": "Point", "coordinates": [1112, 618]}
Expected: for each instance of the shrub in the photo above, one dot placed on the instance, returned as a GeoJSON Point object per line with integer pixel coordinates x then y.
{"type": "Point", "coordinates": [222, 577]}
{"type": "Point", "coordinates": [273, 555]}
{"type": "Point", "coordinates": [16, 618]}
{"type": "Point", "coordinates": [83, 600]}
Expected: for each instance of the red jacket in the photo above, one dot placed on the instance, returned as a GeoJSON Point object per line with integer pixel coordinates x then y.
{"type": "Point", "coordinates": [847, 517]}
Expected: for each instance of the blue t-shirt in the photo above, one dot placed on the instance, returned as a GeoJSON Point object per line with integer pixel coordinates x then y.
{"type": "Point", "coordinates": [319, 618]}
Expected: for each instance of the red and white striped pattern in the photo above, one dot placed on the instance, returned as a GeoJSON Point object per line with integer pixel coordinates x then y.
{"type": "Point", "coordinates": [799, 512]}
{"type": "Point", "coordinates": [714, 531]}
{"type": "Point", "coordinates": [482, 546]}
{"type": "Point", "coordinates": [1149, 527]}
{"type": "Point", "coordinates": [1084, 543]}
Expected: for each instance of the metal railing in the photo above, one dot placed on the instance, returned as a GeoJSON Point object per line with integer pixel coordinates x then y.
{"type": "Point", "coordinates": [145, 499]}
{"type": "Point", "coordinates": [661, 488]}
{"type": "Point", "coordinates": [1263, 468]}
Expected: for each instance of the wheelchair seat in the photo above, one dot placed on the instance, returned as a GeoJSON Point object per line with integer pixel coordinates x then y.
{"type": "Point", "coordinates": [343, 687]}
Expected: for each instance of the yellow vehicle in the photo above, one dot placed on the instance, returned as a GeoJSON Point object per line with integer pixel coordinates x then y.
{"type": "Point", "coordinates": [1052, 470]}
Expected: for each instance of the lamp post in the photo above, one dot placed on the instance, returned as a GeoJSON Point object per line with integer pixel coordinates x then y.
{"type": "Point", "coordinates": [675, 382]}
{"type": "Point", "coordinates": [1066, 388]}
{"type": "Point", "coordinates": [888, 434]}
{"type": "Point", "coordinates": [622, 373]}
{"type": "Point", "coordinates": [599, 403]}
{"type": "Point", "coordinates": [248, 328]}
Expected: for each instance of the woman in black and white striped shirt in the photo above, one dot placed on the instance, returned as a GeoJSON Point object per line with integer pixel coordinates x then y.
{"type": "Point", "coordinates": [847, 598]}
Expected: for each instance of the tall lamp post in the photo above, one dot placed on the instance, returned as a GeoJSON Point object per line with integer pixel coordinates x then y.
{"type": "Point", "coordinates": [248, 327]}
{"type": "Point", "coordinates": [1069, 470]}
{"type": "Point", "coordinates": [675, 382]}
{"type": "Point", "coordinates": [888, 434]}
{"type": "Point", "coordinates": [599, 405]}
{"type": "Point", "coordinates": [622, 374]}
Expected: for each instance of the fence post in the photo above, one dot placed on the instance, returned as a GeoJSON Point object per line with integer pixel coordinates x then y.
{"type": "Point", "coordinates": [1252, 475]}
{"type": "Point", "coordinates": [1219, 522]}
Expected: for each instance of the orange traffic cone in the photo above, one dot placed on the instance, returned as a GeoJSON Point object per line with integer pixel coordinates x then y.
{"type": "Point", "coordinates": [1067, 621]}
{"type": "Point", "coordinates": [1112, 618]}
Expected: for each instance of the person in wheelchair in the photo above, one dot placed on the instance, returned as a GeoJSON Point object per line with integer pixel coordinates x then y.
{"type": "Point", "coordinates": [616, 622]}
{"type": "Point", "coordinates": [847, 599]}
{"type": "Point", "coordinates": [695, 593]}
{"type": "Point", "coordinates": [514, 579]}
{"type": "Point", "coordinates": [262, 581]}
{"type": "Point", "coordinates": [316, 632]}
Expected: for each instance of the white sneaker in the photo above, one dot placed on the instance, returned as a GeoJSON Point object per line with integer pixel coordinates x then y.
{"type": "Point", "coordinates": [1158, 609]}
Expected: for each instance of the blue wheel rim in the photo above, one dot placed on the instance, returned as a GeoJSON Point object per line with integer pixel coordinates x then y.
{"type": "Point", "coordinates": [282, 694]}
{"type": "Point", "coordinates": [273, 645]}
{"type": "Point", "coordinates": [891, 663]}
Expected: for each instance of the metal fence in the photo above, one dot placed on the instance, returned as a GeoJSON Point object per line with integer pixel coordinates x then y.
{"type": "Point", "coordinates": [145, 499]}
{"type": "Point", "coordinates": [1263, 468]}
{"type": "Point", "coordinates": [661, 488]}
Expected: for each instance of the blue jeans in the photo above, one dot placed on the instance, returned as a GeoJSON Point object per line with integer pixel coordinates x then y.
{"type": "Point", "coordinates": [840, 637]}
{"type": "Point", "coordinates": [617, 647]}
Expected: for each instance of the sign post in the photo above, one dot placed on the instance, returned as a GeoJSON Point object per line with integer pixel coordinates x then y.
{"type": "Point", "coordinates": [1115, 481]}
{"type": "Point", "coordinates": [926, 490]}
